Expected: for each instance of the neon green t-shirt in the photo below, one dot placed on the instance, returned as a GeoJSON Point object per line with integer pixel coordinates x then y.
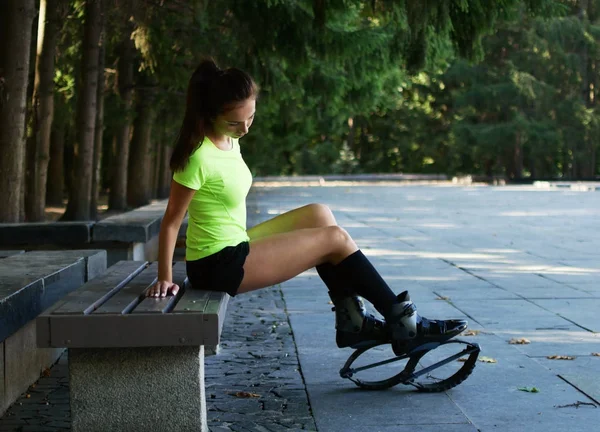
{"type": "Point", "coordinates": [217, 212]}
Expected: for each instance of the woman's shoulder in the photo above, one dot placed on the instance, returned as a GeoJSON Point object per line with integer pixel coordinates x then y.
{"type": "Point", "coordinates": [200, 152]}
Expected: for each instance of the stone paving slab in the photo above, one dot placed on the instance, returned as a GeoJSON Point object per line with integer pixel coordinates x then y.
{"type": "Point", "coordinates": [569, 342]}
{"type": "Point", "coordinates": [582, 312]}
{"type": "Point", "coordinates": [511, 314]}
{"type": "Point", "coordinates": [341, 409]}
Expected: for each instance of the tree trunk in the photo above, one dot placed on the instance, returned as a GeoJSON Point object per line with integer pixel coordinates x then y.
{"type": "Point", "coordinates": [156, 156]}
{"type": "Point", "coordinates": [352, 144]}
{"type": "Point", "coordinates": [585, 169]}
{"type": "Point", "coordinates": [139, 181]}
{"type": "Point", "coordinates": [164, 179]}
{"type": "Point", "coordinates": [78, 207]}
{"type": "Point", "coordinates": [120, 156]}
{"type": "Point", "coordinates": [98, 132]}
{"type": "Point", "coordinates": [43, 110]}
{"type": "Point", "coordinates": [16, 19]}
{"type": "Point", "coordinates": [56, 175]}
{"type": "Point", "coordinates": [518, 157]}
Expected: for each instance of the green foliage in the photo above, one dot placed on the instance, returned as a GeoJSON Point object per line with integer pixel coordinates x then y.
{"type": "Point", "coordinates": [432, 86]}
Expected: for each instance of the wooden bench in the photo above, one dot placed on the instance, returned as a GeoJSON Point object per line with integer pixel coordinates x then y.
{"type": "Point", "coordinates": [30, 283]}
{"type": "Point", "coordinates": [136, 363]}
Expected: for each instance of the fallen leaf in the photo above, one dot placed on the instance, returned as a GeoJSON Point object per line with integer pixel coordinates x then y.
{"type": "Point", "coordinates": [521, 341]}
{"type": "Point", "coordinates": [560, 357]}
{"type": "Point", "coordinates": [462, 360]}
{"type": "Point", "coordinates": [46, 372]}
{"type": "Point", "coordinates": [27, 395]}
{"type": "Point", "coordinates": [243, 394]}
{"type": "Point", "coordinates": [487, 360]}
{"type": "Point", "coordinates": [596, 354]}
{"type": "Point", "coordinates": [529, 389]}
{"type": "Point", "coordinates": [471, 333]}
{"type": "Point", "coordinates": [442, 298]}
{"type": "Point", "coordinates": [330, 302]}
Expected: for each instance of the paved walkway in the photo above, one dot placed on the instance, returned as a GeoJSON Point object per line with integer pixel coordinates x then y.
{"type": "Point", "coordinates": [518, 262]}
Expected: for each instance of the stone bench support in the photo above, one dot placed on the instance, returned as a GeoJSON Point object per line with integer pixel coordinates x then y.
{"type": "Point", "coordinates": [148, 389]}
{"type": "Point", "coordinates": [136, 363]}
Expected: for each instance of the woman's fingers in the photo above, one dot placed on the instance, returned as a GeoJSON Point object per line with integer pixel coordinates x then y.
{"type": "Point", "coordinates": [162, 289]}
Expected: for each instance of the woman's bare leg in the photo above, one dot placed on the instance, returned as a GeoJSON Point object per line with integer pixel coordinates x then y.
{"type": "Point", "coordinates": [289, 244]}
{"type": "Point", "coordinates": [308, 216]}
{"type": "Point", "coordinates": [280, 257]}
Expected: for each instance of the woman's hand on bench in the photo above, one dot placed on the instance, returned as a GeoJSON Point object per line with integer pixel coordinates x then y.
{"type": "Point", "coordinates": [163, 289]}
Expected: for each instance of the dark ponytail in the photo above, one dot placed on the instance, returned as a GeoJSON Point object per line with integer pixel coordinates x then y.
{"type": "Point", "coordinates": [210, 92]}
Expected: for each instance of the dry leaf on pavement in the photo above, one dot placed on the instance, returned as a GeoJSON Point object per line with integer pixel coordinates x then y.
{"type": "Point", "coordinates": [442, 298]}
{"type": "Point", "coordinates": [560, 357]}
{"type": "Point", "coordinates": [487, 360]}
{"type": "Point", "coordinates": [596, 354]}
{"type": "Point", "coordinates": [520, 341]}
{"type": "Point", "coordinates": [471, 333]}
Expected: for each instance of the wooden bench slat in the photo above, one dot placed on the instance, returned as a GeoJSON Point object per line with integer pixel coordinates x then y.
{"type": "Point", "coordinates": [193, 301]}
{"type": "Point", "coordinates": [97, 291]}
{"type": "Point", "coordinates": [128, 297]}
{"type": "Point", "coordinates": [153, 305]}
{"type": "Point", "coordinates": [131, 330]}
{"type": "Point", "coordinates": [215, 302]}
{"type": "Point", "coordinates": [215, 311]}
{"type": "Point", "coordinates": [112, 311]}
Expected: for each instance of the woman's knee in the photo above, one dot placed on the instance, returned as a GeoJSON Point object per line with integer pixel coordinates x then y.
{"type": "Point", "coordinates": [321, 214]}
{"type": "Point", "coordinates": [339, 238]}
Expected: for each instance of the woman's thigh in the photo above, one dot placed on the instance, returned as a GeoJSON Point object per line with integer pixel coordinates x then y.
{"type": "Point", "coordinates": [308, 216]}
{"type": "Point", "coordinates": [280, 257]}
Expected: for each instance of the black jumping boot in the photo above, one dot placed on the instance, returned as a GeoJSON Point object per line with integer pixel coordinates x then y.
{"type": "Point", "coordinates": [409, 330]}
{"type": "Point", "coordinates": [354, 325]}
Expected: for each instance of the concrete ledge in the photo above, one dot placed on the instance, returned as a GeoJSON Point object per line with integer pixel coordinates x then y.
{"type": "Point", "coordinates": [62, 233]}
{"type": "Point", "coordinates": [138, 225]}
{"type": "Point", "coordinates": [153, 389]}
{"type": "Point", "coordinates": [33, 281]}
{"type": "Point", "coordinates": [129, 236]}
{"type": "Point", "coordinates": [7, 253]}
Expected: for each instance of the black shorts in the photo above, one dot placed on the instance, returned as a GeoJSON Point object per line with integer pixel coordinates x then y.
{"type": "Point", "coordinates": [221, 271]}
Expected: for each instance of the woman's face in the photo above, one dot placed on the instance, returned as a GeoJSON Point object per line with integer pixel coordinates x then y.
{"type": "Point", "coordinates": [236, 121]}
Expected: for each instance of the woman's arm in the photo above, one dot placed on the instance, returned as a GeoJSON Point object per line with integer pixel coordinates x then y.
{"type": "Point", "coordinates": [179, 200]}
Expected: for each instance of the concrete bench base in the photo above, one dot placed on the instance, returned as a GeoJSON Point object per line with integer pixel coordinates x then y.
{"type": "Point", "coordinates": [21, 362]}
{"type": "Point", "coordinates": [137, 389]}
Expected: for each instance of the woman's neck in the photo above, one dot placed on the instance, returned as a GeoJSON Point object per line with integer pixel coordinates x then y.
{"type": "Point", "coordinates": [221, 141]}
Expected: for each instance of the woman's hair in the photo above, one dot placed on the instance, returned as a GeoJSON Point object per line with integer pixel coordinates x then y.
{"type": "Point", "coordinates": [211, 92]}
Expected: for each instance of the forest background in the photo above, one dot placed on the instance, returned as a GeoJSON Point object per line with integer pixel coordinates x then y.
{"type": "Point", "coordinates": [92, 92]}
